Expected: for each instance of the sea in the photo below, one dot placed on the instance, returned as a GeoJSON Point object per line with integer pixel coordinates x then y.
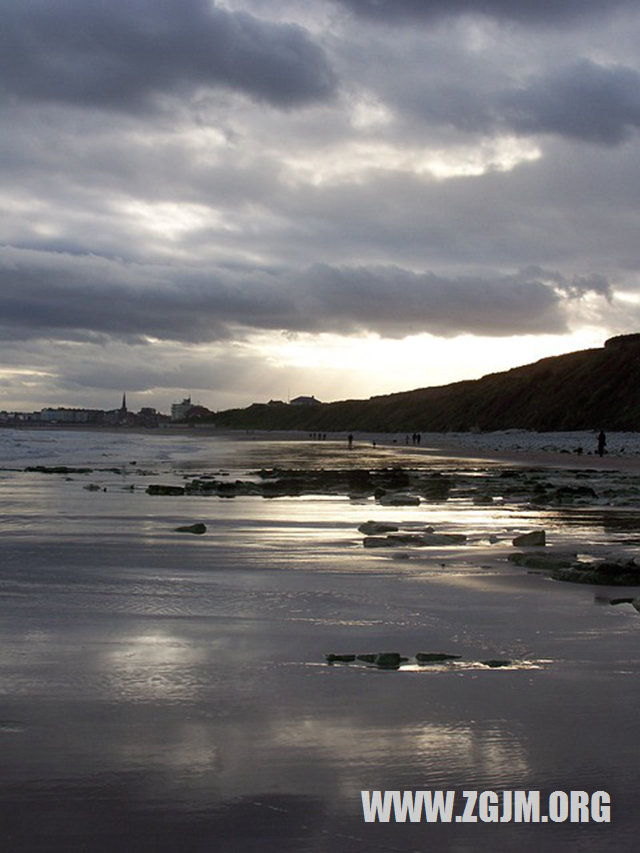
{"type": "Point", "coordinates": [166, 691]}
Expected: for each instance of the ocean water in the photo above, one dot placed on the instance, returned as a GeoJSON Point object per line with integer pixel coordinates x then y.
{"type": "Point", "coordinates": [167, 692]}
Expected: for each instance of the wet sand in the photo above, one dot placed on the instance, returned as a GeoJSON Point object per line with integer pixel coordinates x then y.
{"type": "Point", "coordinates": [170, 692]}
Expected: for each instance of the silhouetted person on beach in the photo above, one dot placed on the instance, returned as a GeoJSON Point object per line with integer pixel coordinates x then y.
{"type": "Point", "coordinates": [602, 443]}
{"type": "Point", "coordinates": [350, 440]}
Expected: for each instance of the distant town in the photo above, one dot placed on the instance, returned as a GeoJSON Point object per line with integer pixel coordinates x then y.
{"type": "Point", "coordinates": [122, 416]}
{"type": "Point", "coordinates": [183, 412]}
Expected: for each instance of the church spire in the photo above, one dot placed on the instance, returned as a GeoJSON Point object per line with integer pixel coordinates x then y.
{"type": "Point", "coordinates": [123, 407]}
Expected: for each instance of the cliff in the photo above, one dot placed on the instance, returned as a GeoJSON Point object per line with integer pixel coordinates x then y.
{"type": "Point", "coordinates": [590, 389]}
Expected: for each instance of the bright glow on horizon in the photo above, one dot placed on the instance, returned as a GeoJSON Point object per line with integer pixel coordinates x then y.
{"type": "Point", "coordinates": [335, 368]}
{"type": "Point", "coordinates": [328, 366]}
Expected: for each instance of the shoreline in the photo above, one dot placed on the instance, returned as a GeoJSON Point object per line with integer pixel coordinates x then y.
{"type": "Point", "coordinates": [543, 458]}
{"type": "Point", "coordinates": [463, 446]}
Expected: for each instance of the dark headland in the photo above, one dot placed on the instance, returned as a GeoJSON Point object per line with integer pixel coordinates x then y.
{"type": "Point", "coordinates": [589, 389]}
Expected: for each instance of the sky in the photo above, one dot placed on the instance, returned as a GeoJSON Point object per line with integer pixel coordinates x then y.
{"type": "Point", "coordinates": [258, 199]}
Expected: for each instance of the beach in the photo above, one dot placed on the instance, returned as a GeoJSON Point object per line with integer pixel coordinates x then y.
{"type": "Point", "coordinates": [166, 690]}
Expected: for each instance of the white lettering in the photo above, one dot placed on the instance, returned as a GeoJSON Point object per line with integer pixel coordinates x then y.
{"type": "Point", "coordinates": [526, 806]}
{"type": "Point", "coordinates": [601, 807]}
{"type": "Point", "coordinates": [558, 806]}
{"type": "Point", "coordinates": [488, 807]}
{"type": "Point", "coordinates": [507, 806]}
{"type": "Point", "coordinates": [579, 801]}
{"type": "Point", "coordinates": [373, 806]}
{"type": "Point", "coordinates": [438, 806]}
{"type": "Point", "coordinates": [409, 803]}
{"type": "Point", "coordinates": [468, 815]}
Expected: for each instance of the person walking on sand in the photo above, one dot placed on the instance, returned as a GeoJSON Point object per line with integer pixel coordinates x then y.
{"type": "Point", "coordinates": [602, 443]}
{"type": "Point", "coordinates": [350, 440]}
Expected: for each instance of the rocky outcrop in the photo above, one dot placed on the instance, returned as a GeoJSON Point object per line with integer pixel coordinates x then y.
{"type": "Point", "coordinates": [544, 561]}
{"type": "Point", "coordinates": [382, 660]}
{"type": "Point", "coordinates": [375, 528]}
{"type": "Point", "coordinates": [57, 469]}
{"type": "Point", "coordinates": [160, 489]}
{"type": "Point", "coordinates": [398, 499]}
{"type": "Point", "coordinates": [197, 528]}
{"type": "Point", "coordinates": [567, 567]}
{"type": "Point", "coordinates": [416, 540]}
{"type": "Point", "coordinates": [607, 573]}
{"type": "Point", "coordinates": [535, 539]}
{"type": "Point", "coordinates": [435, 657]}
{"type": "Point", "coordinates": [634, 602]}
{"type": "Point", "coordinates": [394, 660]}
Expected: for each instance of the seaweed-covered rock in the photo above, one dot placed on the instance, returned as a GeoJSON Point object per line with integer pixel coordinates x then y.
{"type": "Point", "coordinates": [435, 488]}
{"type": "Point", "coordinates": [201, 486]}
{"type": "Point", "coordinates": [435, 657]}
{"type": "Point", "coordinates": [389, 660]}
{"type": "Point", "coordinates": [634, 602]}
{"type": "Point", "coordinates": [606, 573]}
{"type": "Point", "coordinates": [373, 528]}
{"type": "Point", "coordinates": [331, 658]}
{"type": "Point", "coordinates": [416, 540]}
{"type": "Point", "coordinates": [495, 663]}
{"type": "Point", "coordinates": [384, 660]}
{"type": "Point", "coordinates": [160, 489]}
{"type": "Point", "coordinates": [197, 528]}
{"type": "Point", "coordinates": [286, 487]}
{"type": "Point", "coordinates": [57, 469]}
{"type": "Point", "coordinates": [377, 542]}
{"type": "Point", "coordinates": [430, 539]}
{"type": "Point", "coordinates": [229, 490]}
{"type": "Point", "coordinates": [398, 499]}
{"type": "Point", "coordinates": [546, 561]}
{"type": "Point", "coordinates": [569, 494]}
{"type": "Point", "coordinates": [565, 566]}
{"type": "Point", "coordinates": [482, 500]}
{"type": "Point", "coordinates": [536, 538]}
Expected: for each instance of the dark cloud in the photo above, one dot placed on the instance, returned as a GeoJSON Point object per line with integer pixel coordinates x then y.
{"type": "Point", "coordinates": [584, 101]}
{"type": "Point", "coordinates": [124, 53]}
{"type": "Point", "coordinates": [551, 12]}
{"type": "Point", "coordinates": [396, 303]}
{"type": "Point", "coordinates": [575, 286]}
{"type": "Point", "coordinates": [41, 295]}
{"type": "Point", "coordinates": [87, 296]}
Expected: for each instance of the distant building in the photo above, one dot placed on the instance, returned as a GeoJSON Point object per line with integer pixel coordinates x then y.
{"type": "Point", "coordinates": [148, 417]}
{"type": "Point", "coordinates": [179, 410]}
{"type": "Point", "coordinates": [188, 411]}
{"type": "Point", "coordinates": [304, 401]}
{"type": "Point", "coordinates": [120, 417]}
{"type": "Point", "coordinates": [69, 416]}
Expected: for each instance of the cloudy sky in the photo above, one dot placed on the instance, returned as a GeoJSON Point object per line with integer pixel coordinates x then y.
{"type": "Point", "coordinates": [251, 199]}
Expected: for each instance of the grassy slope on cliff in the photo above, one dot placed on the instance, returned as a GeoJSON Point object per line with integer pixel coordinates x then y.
{"type": "Point", "coordinates": [591, 389]}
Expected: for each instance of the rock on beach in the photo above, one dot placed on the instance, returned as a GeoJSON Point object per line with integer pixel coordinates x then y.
{"type": "Point", "coordinates": [536, 538]}
{"type": "Point", "coordinates": [197, 528]}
